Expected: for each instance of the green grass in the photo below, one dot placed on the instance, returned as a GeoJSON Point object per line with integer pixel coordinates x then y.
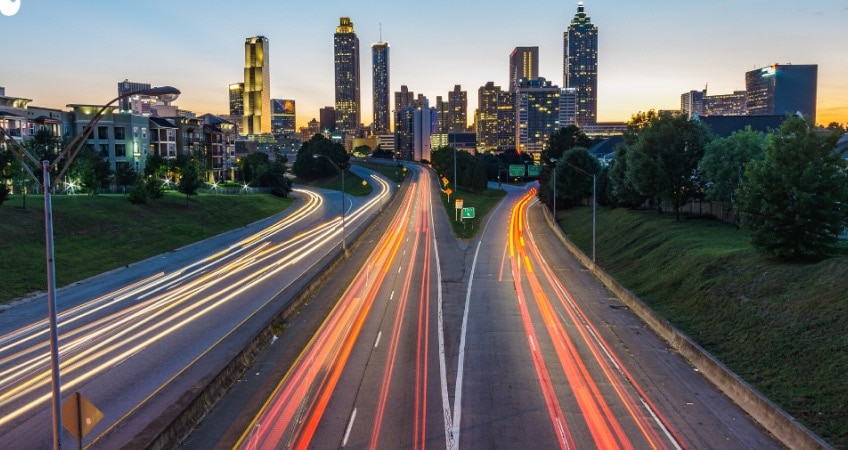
{"type": "Point", "coordinates": [353, 184]}
{"type": "Point", "coordinates": [482, 204]}
{"type": "Point", "coordinates": [94, 234]}
{"type": "Point", "coordinates": [394, 173]}
{"type": "Point", "coordinates": [783, 327]}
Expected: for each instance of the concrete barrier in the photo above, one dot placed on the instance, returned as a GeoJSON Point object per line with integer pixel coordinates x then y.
{"type": "Point", "coordinates": [778, 422]}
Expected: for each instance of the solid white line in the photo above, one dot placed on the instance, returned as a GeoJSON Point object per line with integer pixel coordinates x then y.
{"type": "Point", "coordinates": [450, 442]}
{"type": "Point", "coordinates": [378, 339]}
{"type": "Point", "coordinates": [457, 397]}
{"type": "Point", "coordinates": [349, 426]}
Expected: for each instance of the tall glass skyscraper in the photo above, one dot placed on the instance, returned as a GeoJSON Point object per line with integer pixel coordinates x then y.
{"type": "Point", "coordinates": [381, 95]}
{"type": "Point", "coordinates": [783, 89]}
{"type": "Point", "coordinates": [523, 65]}
{"type": "Point", "coordinates": [257, 87]}
{"type": "Point", "coordinates": [580, 65]}
{"type": "Point", "coordinates": [347, 77]}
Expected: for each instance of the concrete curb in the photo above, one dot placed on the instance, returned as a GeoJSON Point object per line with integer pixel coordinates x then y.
{"type": "Point", "coordinates": [778, 422]}
{"type": "Point", "coordinates": [183, 417]}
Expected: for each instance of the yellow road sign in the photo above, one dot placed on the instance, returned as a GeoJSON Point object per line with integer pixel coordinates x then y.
{"type": "Point", "coordinates": [79, 415]}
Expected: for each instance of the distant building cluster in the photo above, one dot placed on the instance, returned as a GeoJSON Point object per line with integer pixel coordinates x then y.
{"type": "Point", "coordinates": [520, 116]}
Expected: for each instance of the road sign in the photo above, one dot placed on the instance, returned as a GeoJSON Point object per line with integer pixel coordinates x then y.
{"type": "Point", "coordinates": [517, 170]}
{"type": "Point", "coordinates": [459, 203]}
{"type": "Point", "coordinates": [79, 415]}
{"type": "Point", "coordinates": [448, 191]}
{"type": "Point", "coordinates": [468, 213]}
{"type": "Point", "coordinates": [534, 170]}
{"type": "Point", "coordinates": [445, 181]}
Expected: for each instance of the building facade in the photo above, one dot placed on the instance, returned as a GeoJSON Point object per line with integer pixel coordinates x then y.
{"type": "Point", "coordinates": [580, 65]}
{"type": "Point", "coordinates": [381, 94]}
{"type": "Point", "coordinates": [537, 115]}
{"type": "Point", "coordinates": [143, 102]}
{"type": "Point", "coordinates": [120, 137]}
{"type": "Point", "coordinates": [236, 91]}
{"type": "Point", "coordinates": [257, 87]}
{"type": "Point", "coordinates": [523, 64]}
{"type": "Point", "coordinates": [782, 89]}
{"type": "Point", "coordinates": [692, 103]}
{"type": "Point", "coordinates": [457, 110]}
{"type": "Point", "coordinates": [283, 117]}
{"type": "Point", "coordinates": [735, 104]}
{"type": "Point", "coordinates": [327, 119]}
{"type": "Point", "coordinates": [346, 51]}
{"type": "Point", "coordinates": [486, 120]}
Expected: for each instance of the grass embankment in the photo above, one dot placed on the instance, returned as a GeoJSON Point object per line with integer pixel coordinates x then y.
{"type": "Point", "coordinates": [353, 184]}
{"type": "Point", "coordinates": [482, 204]}
{"type": "Point", "coordinates": [783, 327]}
{"type": "Point", "coordinates": [94, 234]}
{"type": "Point", "coordinates": [392, 172]}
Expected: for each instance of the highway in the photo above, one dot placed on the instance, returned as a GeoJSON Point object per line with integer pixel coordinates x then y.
{"type": "Point", "coordinates": [134, 340]}
{"type": "Point", "coordinates": [501, 342]}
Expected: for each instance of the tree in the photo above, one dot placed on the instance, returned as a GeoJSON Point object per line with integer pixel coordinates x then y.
{"type": "Point", "coordinates": [574, 172]}
{"type": "Point", "coordinates": [92, 170]}
{"type": "Point", "coordinates": [563, 140]}
{"type": "Point", "coordinates": [662, 163]}
{"type": "Point", "coordinates": [794, 202]}
{"type": "Point", "coordinates": [190, 180]}
{"type": "Point", "coordinates": [253, 167]}
{"type": "Point", "coordinates": [724, 161]}
{"type": "Point", "coordinates": [125, 175]}
{"type": "Point", "coordinates": [380, 153]}
{"type": "Point", "coordinates": [307, 167]}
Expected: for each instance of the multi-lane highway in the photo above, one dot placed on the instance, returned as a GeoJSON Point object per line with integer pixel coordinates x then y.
{"type": "Point", "coordinates": [503, 343]}
{"type": "Point", "coordinates": [134, 340]}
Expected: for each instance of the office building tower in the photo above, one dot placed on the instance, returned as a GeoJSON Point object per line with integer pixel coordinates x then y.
{"type": "Point", "coordinates": [442, 116]}
{"type": "Point", "coordinates": [457, 110]}
{"type": "Point", "coordinates": [782, 89]}
{"type": "Point", "coordinates": [567, 107]}
{"type": "Point", "coordinates": [580, 65]}
{"type": "Point", "coordinates": [257, 87]}
{"type": "Point", "coordinates": [236, 100]}
{"type": "Point", "coordinates": [346, 51]}
{"type": "Point", "coordinates": [143, 102]}
{"type": "Point", "coordinates": [735, 104]}
{"type": "Point", "coordinates": [506, 120]}
{"type": "Point", "coordinates": [327, 118]}
{"type": "Point", "coordinates": [283, 120]}
{"type": "Point", "coordinates": [403, 98]}
{"type": "Point", "coordinates": [523, 64]}
{"type": "Point", "coordinates": [692, 103]}
{"type": "Point", "coordinates": [381, 93]}
{"type": "Point", "coordinates": [537, 115]}
{"type": "Point", "coordinates": [486, 122]}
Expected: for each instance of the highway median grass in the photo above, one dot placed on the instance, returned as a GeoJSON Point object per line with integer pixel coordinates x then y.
{"type": "Point", "coordinates": [482, 204]}
{"type": "Point", "coordinates": [783, 327]}
{"type": "Point", "coordinates": [94, 234]}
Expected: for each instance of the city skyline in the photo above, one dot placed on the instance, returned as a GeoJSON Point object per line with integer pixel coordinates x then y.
{"type": "Point", "coordinates": [649, 52]}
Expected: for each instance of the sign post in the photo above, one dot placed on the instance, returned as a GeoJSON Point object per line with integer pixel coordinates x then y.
{"type": "Point", "coordinates": [79, 416]}
{"type": "Point", "coordinates": [458, 207]}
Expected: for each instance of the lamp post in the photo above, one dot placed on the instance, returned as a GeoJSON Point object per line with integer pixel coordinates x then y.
{"type": "Point", "coordinates": [594, 201]}
{"type": "Point", "coordinates": [553, 160]}
{"type": "Point", "coordinates": [499, 175]}
{"type": "Point", "coordinates": [67, 156]}
{"type": "Point", "coordinates": [316, 156]}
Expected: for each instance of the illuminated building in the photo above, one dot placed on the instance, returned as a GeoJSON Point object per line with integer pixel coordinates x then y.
{"type": "Point", "coordinates": [442, 116]}
{"type": "Point", "coordinates": [140, 104]}
{"type": "Point", "coordinates": [735, 104]}
{"type": "Point", "coordinates": [580, 65]}
{"type": "Point", "coordinates": [457, 110]}
{"type": "Point", "coordinates": [782, 89]}
{"type": "Point", "coordinates": [257, 87]}
{"type": "Point", "coordinates": [283, 121]}
{"type": "Point", "coordinates": [486, 121]}
{"type": "Point", "coordinates": [236, 100]}
{"type": "Point", "coordinates": [381, 93]}
{"type": "Point", "coordinates": [537, 115]}
{"type": "Point", "coordinates": [347, 77]}
{"type": "Point", "coordinates": [692, 103]}
{"type": "Point", "coordinates": [403, 98]}
{"type": "Point", "coordinates": [327, 119]}
{"type": "Point", "coordinates": [506, 120]}
{"type": "Point", "coordinates": [567, 107]}
{"type": "Point", "coordinates": [120, 136]}
{"type": "Point", "coordinates": [523, 64]}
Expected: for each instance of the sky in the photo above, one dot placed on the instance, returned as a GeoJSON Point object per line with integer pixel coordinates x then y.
{"type": "Point", "coordinates": [59, 52]}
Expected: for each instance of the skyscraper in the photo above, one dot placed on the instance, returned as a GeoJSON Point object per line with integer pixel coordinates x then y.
{"type": "Point", "coordinates": [257, 87]}
{"type": "Point", "coordinates": [537, 115]}
{"type": "Point", "coordinates": [580, 65]}
{"type": "Point", "coordinates": [327, 116]}
{"type": "Point", "coordinates": [381, 95]}
{"type": "Point", "coordinates": [457, 110]}
{"type": "Point", "coordinates": [283, 117]}
{"type": "Point", "coordinates": [782, 89]}
{"type": "Point", "coordinates": [236, 100]}
{"type": "Point", "coordinates": [404, 97]}
{"type": "Point", "coordinates": [347, 77]}
{"type": "Point", "coordinates": [487, 117]}
{"type": "Point", "coordinates": [523, 64]}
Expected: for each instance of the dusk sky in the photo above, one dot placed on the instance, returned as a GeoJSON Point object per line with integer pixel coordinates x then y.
{"type": "Point", "coordinates": [651, 51]}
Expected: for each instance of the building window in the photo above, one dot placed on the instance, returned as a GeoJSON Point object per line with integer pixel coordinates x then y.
{"type": "Point", "coordinates": [144, 133]}
{"type": "Point", "coordinates": [120, 150]}
{"type": "Point", "coordinates": [102, 132]}
{"type": "Point", "coordinates": [135, 132]}
{"type": "Point", "coordinates": [104, 150]}
{"type": "Point", "coordinates": [119, 134]}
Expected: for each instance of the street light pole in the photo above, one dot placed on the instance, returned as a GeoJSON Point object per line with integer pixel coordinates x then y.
{"type": "Point", "coordinates": [553, 160]}
{"type": "Point", "coordinates": [594, 202]}
{"type": "Point", "coordinates": [68, 154]}
{"type": "Point", "coordinates": [316, 156]}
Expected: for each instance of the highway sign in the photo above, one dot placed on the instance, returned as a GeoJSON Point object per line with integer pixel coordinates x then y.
{"type": "Point", "coordinates": [534, 170]}
{"type": "Point", "coordinates": [517, 170]}
{"type": "Point", "coordinates": [79, 415]}
{"type": "Point", "coordinates": [468, 213]}
{"type": "Point", "coordinates": [459, 203]}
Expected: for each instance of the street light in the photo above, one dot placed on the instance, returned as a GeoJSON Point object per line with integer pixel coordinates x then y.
{"type": "Point", "coordinates": [66, 156]}
{"type": "Point", "coordinates": [594, 200]}
{"type": "Point", "coordinates": [553, 160]}
{"type": "Point", "coordinates": [316, 156]}
{"type": "Point", "coordinates": [499, 175]}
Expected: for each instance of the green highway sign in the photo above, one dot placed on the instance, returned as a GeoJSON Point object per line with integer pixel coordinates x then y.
{"type": "Point", "coordinates": [517, 170]}
{"type": "Point", "coordinates": [468, 213]}
{"type": "Point", "coordinates": [534, 170]}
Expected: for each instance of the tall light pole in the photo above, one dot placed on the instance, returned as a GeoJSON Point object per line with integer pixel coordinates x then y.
{"type": "Point", "coordinates": [316, 156]}
{"type": "Point", "coordinates": [66, 157]}
{"type": "Point", "coordinates": [594, 202]}
{"type": "Point", "coordinates": [553, 160]}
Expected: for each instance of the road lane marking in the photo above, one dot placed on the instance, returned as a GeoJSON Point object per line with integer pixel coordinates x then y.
{"type": "Point", "coordinates": [378, 339]}
{"type": "Point", "coordinates": [349, 426]}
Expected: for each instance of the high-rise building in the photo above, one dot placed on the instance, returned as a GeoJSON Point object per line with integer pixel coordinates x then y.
{"type": "Point", "coordinates": [327, 118]}
{"type": "Point", "coordinates": [782, 89]}
{"type": "Point", "coordinates": [257, 87]}
{"type": "Point", "coordinates": [692, 103]}
{"type": "Point", "coordinates": [523, 64]}
{"type": "Point", "coordinates": [487, 117]}
{"type": "Point", "coordinates": [567, 107]}
{"type": "Point", "coordinates": [142, 101]}
{"type": "Point", "coordinates": [283, 120]}
{"type": "Point", "coordinates": [442, 116]}
{"type": "Point", "coordinates": [347, 77]}
{"type": "Point", "coordinates": [506, 120]}
{"type": "Point", "coordinates": [457, 110]}
{"type": "Point", "coordinates": [580, 65]}
{"type": "Point", "coordinates": [236, 100]}
{"type": "Point", "coordinates": [537, 115]}
{"type": "Point", "coordinates": [735, 104]}
{"type": "Point", "coordinates": [381, 93]}
{"type": "Point", "coordinates": [404, 98]}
